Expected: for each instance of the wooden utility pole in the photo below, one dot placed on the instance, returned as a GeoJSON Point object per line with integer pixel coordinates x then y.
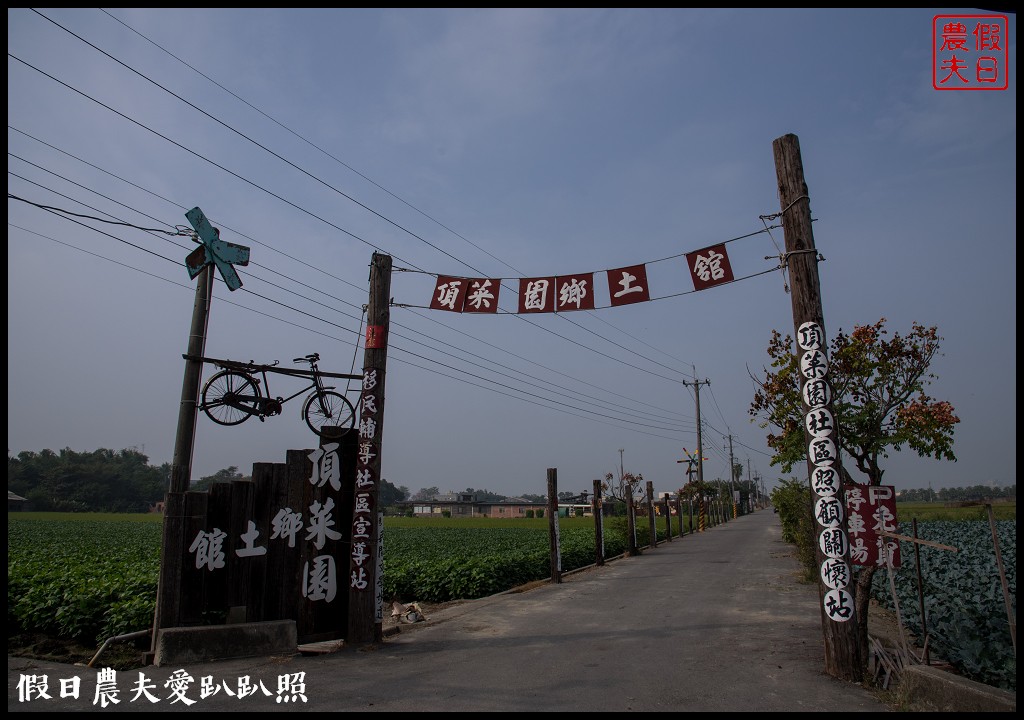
{"type": "Point", "coordinates": [835, 584]}
{"type": "Point", "coordinates": [172, 549]}
{"type": "Point", "coordinates": [363, 579]}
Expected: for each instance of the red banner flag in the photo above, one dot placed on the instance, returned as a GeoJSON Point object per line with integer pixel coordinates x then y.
{"type": "Point", "coordinates": [536, 295]}
{"type": "Point", "coordinates": [575, 292]}
{"type": "Point", "coordinates": [449, 294]}
{"type": "Point", "coordinates": [628, 285]}
{"type": "Point", "coordinates": [482, 296]}
{"type": "Point", "coordinates": [709, 267]}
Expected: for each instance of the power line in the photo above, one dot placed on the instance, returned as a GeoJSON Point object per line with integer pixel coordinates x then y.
{"type": "Point", "coordinates": [90, 217]}
{"type": "Point", "coordinates": [312, 144]}
{"type": "Point", "coordinates": [292, 291]}
{"type": "Point", "coordinates": [321, 319]}
{"type": "Point", "coordinates": [279, 197]}
{"type": "Point", "coordinates": [283, 159]}
{"type": "Point", "coordinates": [354, 170]}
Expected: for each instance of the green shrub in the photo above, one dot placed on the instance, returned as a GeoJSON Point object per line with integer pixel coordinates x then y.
{"type": "Point", "coordinates": [792, 498]}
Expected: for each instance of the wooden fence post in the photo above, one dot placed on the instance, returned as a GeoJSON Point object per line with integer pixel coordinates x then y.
{"type": "Point", "coordinates": [651, 520]}
{"type": "Point", "coordinates": [556, 555]}
{"type": "Point", "coordinates": [598, 503]}
{"type": "Point", "coordinates": [631, 548]}
{"type": "Point", "coordinates": [668, 518]}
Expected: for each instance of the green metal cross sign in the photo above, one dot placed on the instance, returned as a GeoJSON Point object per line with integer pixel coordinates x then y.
{"type": "Point", "coordinates": [213, 249]}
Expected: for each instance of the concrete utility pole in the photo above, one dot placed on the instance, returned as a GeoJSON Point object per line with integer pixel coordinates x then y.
{"type": "Point", "coordinates": [838, 616]}
{"type": "Point", "coordinates": [732, 478]}
{"type": "Point", "coordinates": [172, 549]}
{"type": "Point", "coordinates": [700, 442]}
{"type": "Point", "coordinates": [749, 472]}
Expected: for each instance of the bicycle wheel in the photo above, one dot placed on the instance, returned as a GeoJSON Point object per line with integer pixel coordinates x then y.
{"type": "Point", "coordinates": [231, 398]}
{"type": "Point", "coordinates": [328, 408]}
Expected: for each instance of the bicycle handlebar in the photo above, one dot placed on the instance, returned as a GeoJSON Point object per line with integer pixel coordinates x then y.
{"type": "Point", "coordinates": [308, 358]}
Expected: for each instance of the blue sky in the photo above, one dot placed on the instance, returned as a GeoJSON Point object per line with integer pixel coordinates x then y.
{"type": "Point", "coordinates": [500, 143]}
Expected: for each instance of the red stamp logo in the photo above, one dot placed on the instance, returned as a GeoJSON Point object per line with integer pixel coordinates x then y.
{"type": "Point", "coordinates": [970, 52]}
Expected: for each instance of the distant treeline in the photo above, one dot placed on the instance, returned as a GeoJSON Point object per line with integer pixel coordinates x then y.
{"type": "Point", "coordinates": [110, 481]}
{"type": "Point", "coordinates": [959, 494]}
{"type": "Point", "coordinates": [98, 481]}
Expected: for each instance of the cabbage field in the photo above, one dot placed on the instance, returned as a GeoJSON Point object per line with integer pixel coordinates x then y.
{"type": "Point", "coordinates": [965, 612]}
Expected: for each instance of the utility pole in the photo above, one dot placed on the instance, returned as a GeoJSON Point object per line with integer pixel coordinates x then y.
{"type": "Point", "coordinates": [168, 601]}
{"type": "Point", "coordinates": [363, 578]}
{"type": "Point", "coordinates": [749, 472]}
{"type": "Point", "coordinates": [732, 478]}
{"type": "Point", "coordinates": [622, 470]}
{"type": "Point", "coordinates": [838, 616]}
{"type": "Point", "coordinates": [700, 442]}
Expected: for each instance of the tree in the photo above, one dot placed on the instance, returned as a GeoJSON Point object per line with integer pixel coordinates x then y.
{"type": "Point", "coordinates": [426, 493]}
{"type": "Point", "coordinates": [486, 495]}
{"type": "Point", "coordinates": [99, 481]}
{"type": "Point", "coordinates": [223, 475]}
{"type": "Point", "coordinates": [879, 403]}
{"type": "Point", "coordinates": [627, 484]}
{"type": "Point", "coordinates": [390, 495]}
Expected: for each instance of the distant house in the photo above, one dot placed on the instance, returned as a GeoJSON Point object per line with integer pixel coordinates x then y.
{"type": "Point", "coordinates": [467, 505]}
{"type": "Point", "coordinates": [15, 503]}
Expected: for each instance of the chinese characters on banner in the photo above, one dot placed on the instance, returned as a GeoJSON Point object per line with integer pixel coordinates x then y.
{"type": "Point", "coordinates": [970, 52]}
{"type": "Point", "coordinates": [363, 576]}
{"type": "Point", "coordinates": [708, 267]}
{"type": "Point", "coordinates": [823, 455]}
{"type": "Point", "coordinates": [628, 285]}
{"type": "Point", "coordinates": [872, 509]}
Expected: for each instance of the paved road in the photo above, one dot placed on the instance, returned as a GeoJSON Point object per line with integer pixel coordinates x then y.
{"type": "Point", "coordinates": [716, 621]}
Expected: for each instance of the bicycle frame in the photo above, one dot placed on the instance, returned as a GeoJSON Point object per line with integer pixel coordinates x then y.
{"type": "Point", "coordinates": [316, 386]}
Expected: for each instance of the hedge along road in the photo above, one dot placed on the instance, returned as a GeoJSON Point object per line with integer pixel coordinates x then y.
{"type": "Point", "coordinates": [715, 621]}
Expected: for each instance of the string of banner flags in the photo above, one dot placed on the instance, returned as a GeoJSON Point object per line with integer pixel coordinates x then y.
{"type": "Point", "coordinates": [709, 267]}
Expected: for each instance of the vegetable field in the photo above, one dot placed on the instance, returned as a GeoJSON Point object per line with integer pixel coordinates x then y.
{"type": "Point", "coordinates": [965, 610]}
{"type": "Point", "coordinates": [89, 577]}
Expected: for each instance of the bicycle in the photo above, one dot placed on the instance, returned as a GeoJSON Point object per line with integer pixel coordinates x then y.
{"type": "Point", "coordinates": [233, 395]}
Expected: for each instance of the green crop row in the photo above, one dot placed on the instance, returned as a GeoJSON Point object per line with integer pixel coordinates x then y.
{"type": "Point", "coordinates": [88, 579]}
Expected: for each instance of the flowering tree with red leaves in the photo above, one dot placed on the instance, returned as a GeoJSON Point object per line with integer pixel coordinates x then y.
{"type": "Point", "coordinates": [879, 402]}
{"type": "Point", "coordinates": [878, 394]}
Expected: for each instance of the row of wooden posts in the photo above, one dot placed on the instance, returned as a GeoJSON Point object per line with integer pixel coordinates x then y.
{"type": "Point", "coordinates": [713, 512]}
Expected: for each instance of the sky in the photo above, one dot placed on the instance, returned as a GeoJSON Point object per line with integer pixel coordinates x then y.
{"type": "Point", "coordinates": [503, 144]}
